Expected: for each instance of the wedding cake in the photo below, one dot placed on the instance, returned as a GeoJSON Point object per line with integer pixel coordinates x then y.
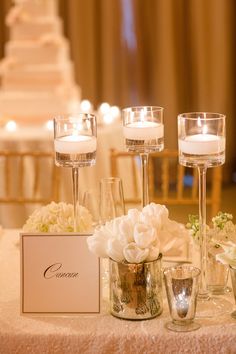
{"type": "Point", "coordinates": [37, 79]}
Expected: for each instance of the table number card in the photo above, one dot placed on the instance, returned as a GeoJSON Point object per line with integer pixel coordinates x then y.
{"type": "Point", "coordinates": [59, 275]}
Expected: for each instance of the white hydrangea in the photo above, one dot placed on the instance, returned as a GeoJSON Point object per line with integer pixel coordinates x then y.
{"type": "Point", "coordinates": [224, 234]}
{"type": "Point", "coordinates": [139, 236]}
{"type": "Point", "coordinates": [58, 217]}
{"type": "Point", "coordinates": [222, 229]}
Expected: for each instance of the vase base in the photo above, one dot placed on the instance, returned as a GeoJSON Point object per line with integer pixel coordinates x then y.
{"type": "Point", "coordinates": [220, 290]}
{"type": "Point", "coordinates": [212, 307]}
{"type": "Point", "coordinates": [233, 314]}
{"type": "Point", "coordinates": [193, 326]}
{"type": "Point", "coordinates": [136, 318]}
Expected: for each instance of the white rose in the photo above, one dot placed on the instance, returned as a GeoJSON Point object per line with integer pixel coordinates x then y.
{"type": "Point", "coordinates": [115, 250]}
{"type": "Point", "coordinates": [141, 236]}
{"type": "Point", "coordinates": [112, 227]}
{"type": "Point", "coordinates": [172, 247]}
{"type": "Point", "coordinates": [120, 228]}
{"type": "Point", "coordinates": [98, 243]}
{"type": "Point", "coordinates": [126, 231]}
{"type": "Point", "coordinates": [174, 238]}
{"type": "Point", "coordinates": [154, 252]}
{"type": "Point", "coordinates": [144, 235]}
{"type": "Point", "coordinates": [134, 215]}
{"type": "Point", "coordinates": [155, 215]}
{"type": "Point", "coordinates": [135, 254]}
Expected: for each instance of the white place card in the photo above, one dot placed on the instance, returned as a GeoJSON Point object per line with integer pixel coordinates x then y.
{"type": "Point", "coordinates": [59, 275]}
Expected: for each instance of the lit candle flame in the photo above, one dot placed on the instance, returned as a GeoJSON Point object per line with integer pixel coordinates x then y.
{"type": "Point", "coordinates": [49, 125]}
{"type": "Point", "coordinates": [199, 123]}
{"type": "Point", "coordinates": [142, 115]}
{"type": "Point", "coordinates": [77, 128]}
{"type": "Point", "coordinates": [204, 129]}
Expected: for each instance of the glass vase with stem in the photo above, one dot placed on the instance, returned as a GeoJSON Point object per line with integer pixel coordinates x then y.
{"type": "Point", "coordinates": [143, 130]}
{"type": "Point", "coordinates": [111, 199]}
{"type": "Point", "coordinates": [75, 145]}
{"type": "Point", "coordinates": [111, 206]}
{"type": "Point", "coordinates": [201, 141]}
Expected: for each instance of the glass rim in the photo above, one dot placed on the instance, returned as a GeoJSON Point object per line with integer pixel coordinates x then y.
{"type": "Point", "coordinates": [110, 179]}
{"type": "Point", "coordinates": [159, 258]}
{"type": "Point", "coordinates": [201, 115]}
{"type": "Point", "coordinates": [139, 108]}
{"type": "Point", "coordinates": [187, 267]}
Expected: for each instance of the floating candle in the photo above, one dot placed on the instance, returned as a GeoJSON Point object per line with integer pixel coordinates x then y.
{"type": "Point", "coordinates": [202, 144]}
{"type": "Point", "coordinates": [75, 144]}
{"type": "Point", "coordinates": [143, 130]}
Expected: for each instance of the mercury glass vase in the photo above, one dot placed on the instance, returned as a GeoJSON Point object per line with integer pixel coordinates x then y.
{"type": "Point", "coordinates": [136, 289]}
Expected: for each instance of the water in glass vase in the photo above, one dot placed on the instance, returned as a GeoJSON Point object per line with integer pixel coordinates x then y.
{"type": "Point", "coordinates": [149, 145]}
{"type": "Point", "coordinates": [75, 160]}
{"type": "Point", "coordinates": [75, 151]}
{"type": "Point", "coordinates": [202, 149]}
{"type": "Point", "coordinates": [144, 136]}
{"type": "Point", "coordinates": [217, 273]}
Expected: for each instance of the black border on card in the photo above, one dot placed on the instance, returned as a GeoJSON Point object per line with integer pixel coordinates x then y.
{"type": "Point", "coordinates": [72, 234]}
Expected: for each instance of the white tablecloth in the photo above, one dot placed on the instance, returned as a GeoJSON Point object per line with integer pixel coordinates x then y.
{"type": "Point", "coordinates": [39, 138]}
{"type": "Point", "coordinates": [98, 334]}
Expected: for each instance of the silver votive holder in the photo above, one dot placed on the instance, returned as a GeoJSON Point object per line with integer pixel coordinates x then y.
{"type": "Point", "coordinates": [181, 284]}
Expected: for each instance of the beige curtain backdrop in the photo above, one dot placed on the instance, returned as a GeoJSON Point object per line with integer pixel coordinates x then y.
{"type": "Point", "coordinates": [179, 54]}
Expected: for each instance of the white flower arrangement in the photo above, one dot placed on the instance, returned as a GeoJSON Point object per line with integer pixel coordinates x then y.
{"type": "Point", "coordinates": [225, 238]}
{"type": "Point", "coordinates": [58, 217]}
{"type": "Point", "coordinates": [222, 229]}
{"type": "Point", "coordinates": [221, 235]}
{"type": "Point", "coordinates": [139, 236]}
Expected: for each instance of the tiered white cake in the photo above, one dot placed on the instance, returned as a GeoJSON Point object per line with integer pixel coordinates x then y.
{"type": "Point", "coordinates": [37, 79]}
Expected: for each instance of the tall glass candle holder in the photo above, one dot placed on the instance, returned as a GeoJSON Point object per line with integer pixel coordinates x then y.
{"type": "Point", "coordinates": [143, 131]}
{"type": "Point", "coordinates": [201, 140]}
{"type": "Point", "coordinates": [75, 144]}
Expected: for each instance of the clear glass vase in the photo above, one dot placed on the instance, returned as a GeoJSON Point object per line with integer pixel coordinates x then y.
{"type": "Point", "coordinates": [233, 280]}
{"type": "Point", "coordinates": [217, 273]}
{"type": "Point", "coordinates": [136, 289]}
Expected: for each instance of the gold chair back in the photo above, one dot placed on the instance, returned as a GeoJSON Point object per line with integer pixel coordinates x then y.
{"type": "Point", "coordinates": [29, 177]}
{"type": "Point", "coordinates": [169, 182]}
